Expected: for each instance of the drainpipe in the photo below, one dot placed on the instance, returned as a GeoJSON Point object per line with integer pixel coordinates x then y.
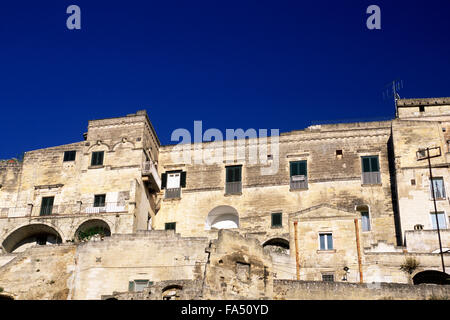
{"type": "Point", "coordinates": [358, 247]}
{"type": "Point", "coordinates": [297, 258]}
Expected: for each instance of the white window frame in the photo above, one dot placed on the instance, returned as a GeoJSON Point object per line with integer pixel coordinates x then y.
{"type": "Point", "coordinates": [369, 219]}
{"type": "Point", "coordinates": [326, 241]}
{"type": "Point", "coordinates": [443, 187]}
{"type": "Point", "coordinates": [173, 180]}
{"type": "Point", "coordinates": [433, 220]}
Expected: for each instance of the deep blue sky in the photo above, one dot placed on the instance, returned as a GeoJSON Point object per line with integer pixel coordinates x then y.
{"type": "Point", "coordinates": [233, 64]}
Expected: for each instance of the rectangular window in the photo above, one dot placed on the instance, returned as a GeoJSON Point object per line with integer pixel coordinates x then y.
{"type": "Point", "coordinates": [233, 180]}
{"type": "Point", "coordinates": [370, 170]}
{"type": "Point", "coordinates": [173, 180]}
{"type": "Point", "coordinates": [170, 226]}
{"type": "Point", "coordinates": [365, 220]}
{"type": "Point", "coordinates": [370, 164]}
{"type": "Point", "coordinates": [441, 220]}
{"type": "Point", "coordinates": [47, 206]}
{"type": "Point", "coordinates": [234, 173]}
{"type": "Point", "coordinates": [99, 200]}
{"type": "Point", "coordinates": [439, 188]}
{"type": "Point", "coordinates": [97, 158]}
{"type": "Point", "coordinates": [298, 168]}
{"type": "Point", "coordinates": [326, 241]}
{"type": "Point", "coordinates": [276, 219]}
{"type": "Point", "coordinates": [138, 285]}
{"type": "Point", "coordinates": [69, 156]}
{"type": "Point", "coordinates": [298, 174]}
{"type": "Point", "coordinates": [328, 277]}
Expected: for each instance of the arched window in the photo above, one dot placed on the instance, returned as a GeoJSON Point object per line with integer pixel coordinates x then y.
{"type": "Point", "coordinates": [365, 217]}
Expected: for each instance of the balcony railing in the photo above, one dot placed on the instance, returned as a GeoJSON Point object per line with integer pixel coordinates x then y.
{"type": "Point", "coordinates": [371, 178]}
{"type": "Point", "coordinates": [233, 187]}
{"type": "Point", "coordinates": [149, 170]}
{"type": "Point", "coordinates": [64, 208]}
{"type": "Point", "coordinates": [173, 193]}
{"type": "Point", "coordinates": [299, 182]}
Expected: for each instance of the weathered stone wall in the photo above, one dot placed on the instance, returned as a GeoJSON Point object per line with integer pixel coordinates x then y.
{"type": "Point", "coordinates": [414, 189]}
{"type": "Point", "coordinates": [238, 268]}
{"type": "Point", "coordinates": [309, 290]}
{"type": "Point", "coordinates": [109, 265]}
{"type": "Point", "coordinates": [127, 143]}
{"type": "Point", "coordinates": [332, 179]}
{"type": "Point", "coordinates": [427, 240]}
{"type": "Point", "coordinates": [40, 273]}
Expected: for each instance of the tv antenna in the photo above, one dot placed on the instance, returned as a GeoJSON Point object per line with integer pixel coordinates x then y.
{"type": "Point", "coordinates": [391, 90]}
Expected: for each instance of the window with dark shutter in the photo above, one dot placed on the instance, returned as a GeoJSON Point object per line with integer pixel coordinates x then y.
{"type": "Point", "coordinates": [233, 184]}
{"type": "Point", "coordinates": [97, 158]}
{"type": "Point", "coordinates": [298, 168]}
{"type": "Point", "coordinates": [298, 175]}
{"type": "Point", "coordinates": [99, 200]}
{"type": "Point", "coordinates": [170, 226]}
{"type": "Point", "coordinates": [47, 206]}
{"type": "Point", "coordinates": [370, 170]}
{"type": "Point", "coordinates": [276, 220]}
{"type": "Point", "coordinates": [233, 173]}
{"type": "Point", "coordinates": [69, 156]}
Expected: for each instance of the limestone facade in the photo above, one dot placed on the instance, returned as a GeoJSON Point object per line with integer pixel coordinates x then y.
{"type": "Point", "coordinates": [343, 202]}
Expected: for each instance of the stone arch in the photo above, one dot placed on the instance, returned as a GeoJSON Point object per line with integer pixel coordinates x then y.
{"type": "Point", "coordinates": [124, 143]}
{"type": "Point", "coordinates": [222, 217]}
{"type": "Point", "coordinates": [431, 276]}
{"type": "Point", "coordinates": [171, 292]}
{"type": "Point", "coordinates": [92, 227]}
{"type": "Point", "coordinates": [30, 234]}
{"type": "Point", "coordinates": [99, 146]}
{"type": "Point", "coordinates": [279, 245]}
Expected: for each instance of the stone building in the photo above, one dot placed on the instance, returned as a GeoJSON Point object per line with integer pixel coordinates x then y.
{"type": "Point", "coordinates": [331, 203]}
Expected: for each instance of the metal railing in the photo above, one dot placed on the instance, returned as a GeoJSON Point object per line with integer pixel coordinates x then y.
{"type": "Point", "coordinates": [173, 193]}
{"type": "Point", "coordinates": [149, 169]}
{"type": "Point", "coordinates": [64, 208]}
{"type": "Point", "coordinates": [233, 187]}
{"type": "Point", "coordinates": [299, 182]}
{"type": "Point", "coordinates": [371, 178]}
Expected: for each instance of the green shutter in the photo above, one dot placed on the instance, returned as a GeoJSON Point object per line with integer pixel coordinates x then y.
{"type": "Point", "coordinates": [131, 286]}
{"type": "Point", "coordinates": [366, 164]}
{"type": "Point", "coordinates": [370, 164]}
{"type": "Point", "coordinates": [298, 168]}
{"type": "Point", "coordinates": [229, 173]}
{"type": "Point", "coordinates": [276, 220]}
{"type": "Point", "coordinates": [183, 179]}
{"type": "Point", "coordinates": [374, 164]}
{"type": "Point", "coordinates": [163, 180]}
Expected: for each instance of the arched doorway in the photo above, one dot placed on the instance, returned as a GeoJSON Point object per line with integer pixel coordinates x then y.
{"type": "Point", "coordinates": [30, 235]}
{"type": "Point", "coordinates": [92, 228]}
{"type": "Point", "coordinates": [222, 217]}
{"type": "Point", "coordinates": [278, 245]}
{"type": "Point", "coordinates": [431, 276]}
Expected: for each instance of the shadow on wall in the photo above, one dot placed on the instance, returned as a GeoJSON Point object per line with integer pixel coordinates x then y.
{"type": "Point", "coordinates": [432, 277]}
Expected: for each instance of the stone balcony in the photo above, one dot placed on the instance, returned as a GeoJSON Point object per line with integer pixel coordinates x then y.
{"type": "Point", "coordinates": [150, 176]}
